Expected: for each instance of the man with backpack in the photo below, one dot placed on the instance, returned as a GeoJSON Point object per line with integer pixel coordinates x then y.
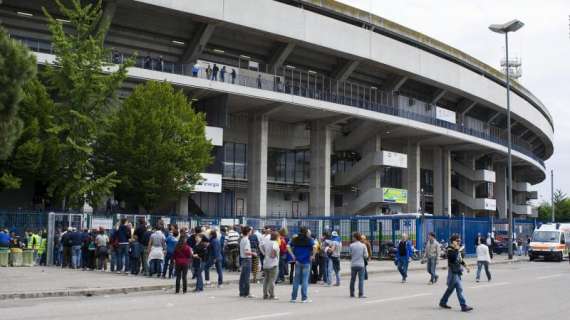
{"type": "Point", "coordinates": [404, 251]}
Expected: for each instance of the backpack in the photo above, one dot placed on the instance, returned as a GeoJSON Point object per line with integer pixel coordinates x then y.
{"type": "Point", "coordinates": [402, 249]}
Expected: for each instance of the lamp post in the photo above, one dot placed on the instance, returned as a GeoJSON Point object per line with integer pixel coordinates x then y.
{"type": "Point", "coordinates": [505, 28]}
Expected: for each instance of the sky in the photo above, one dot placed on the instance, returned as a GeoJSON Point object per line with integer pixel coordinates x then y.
{"type": "Point", "coordinates": [543, 44]}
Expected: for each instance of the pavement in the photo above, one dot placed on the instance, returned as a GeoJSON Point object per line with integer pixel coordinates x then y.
{"type": "Point", "coordinates": [532, 290]}
{"type": "Point", "coordinates": [43, 282]}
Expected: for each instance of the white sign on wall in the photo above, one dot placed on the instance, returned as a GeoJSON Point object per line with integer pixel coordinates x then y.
{"type": "Point", "coordinates": [216, 135]}
{"type": "Point", "coordinates": [105, 223]}
{"type": "Point", "coordinates": [491, 204]}
{"type": "Point", "coordinates": [211, 182]}
{"type": "Point", "coordinates": [394, 159]}
{"type": "Point", "coordinates": [445, 114]}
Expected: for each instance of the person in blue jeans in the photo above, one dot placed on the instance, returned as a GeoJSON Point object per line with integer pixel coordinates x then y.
{"type": "Point", "coordinates": [302, 251]}
{"type": "Point", "coordinates": [76, 238]}
{"type": "Point", "coordinates": [123, 237]}
{"type": "Point", "coordinates": [358, 256]}
{"type": "Point", "coordinates": [245, 254]}
{"type": "Point", "coordinates": [455, 265]}
{"type": "Point", "coordinates": [404, 251]}
{"type": "Point", "coordinates": [214, 258]}
{"type": "Point", "coordinates": [171, 242]}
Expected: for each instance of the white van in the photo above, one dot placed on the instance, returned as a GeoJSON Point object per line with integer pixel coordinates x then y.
{"type": "Point", "coordinates": [550, 242]}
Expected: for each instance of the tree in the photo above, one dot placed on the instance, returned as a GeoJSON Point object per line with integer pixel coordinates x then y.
{"type": "Point", "coordinates": [157, 145]}
{"type": "Point", "coordinates": [84, 96]}
{"type": "Point", "coordinates": [561, 208]}
{"type": "Point", "coordinates": [17, 67]}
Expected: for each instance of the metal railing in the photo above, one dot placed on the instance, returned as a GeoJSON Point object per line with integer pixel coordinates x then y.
{"type": "Point", "coordinates": [303, 83]}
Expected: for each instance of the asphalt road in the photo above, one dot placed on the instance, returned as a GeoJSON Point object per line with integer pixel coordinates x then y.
{"type": "Point", "coordinates": [537, 290]}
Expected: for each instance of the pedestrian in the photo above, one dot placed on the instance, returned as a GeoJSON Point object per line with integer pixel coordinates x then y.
{"type": "Point", "coordinates": [358, 255]}
{"type": "Point", "coordinates": [200, 256]}
{"type": "Point", "coordinates": [171, 242]}
{"type": "Point", "coordinates": [326, 243]}
{"type": "Point", "coordinates": [102, 242]}
{"type": "Point", "coordinates": [76, 242]}
{"type": "Point", "coordinates": [259, 81]}
{"type": "Point", "coordinates": [246, 254]}
{"type": "Point", "coordinates": [143, 236]}
{"type": "Point", "coordinates": [123, 237]}
{"type": "Point", "coordinates": [302, 250]}
{"type": "Point", "coordinates": [527, 246]}
{"type": "Point", "coordinates": [135, 254]}
{"type": "Point", "coordinates": [455, 265]}
{"type": "Point", "coordinates": [233, 74]}
{"type": "Point", "coordinates": [334, 255]}
{"type": "Point", "coordinates": [271, 253]}
{"type": "Point", "coordinates": [156, 249]}
{"type": "Point", "coordinates": [42, 251]}
{"type": "Point", "coordinates": [232, 249]}
{"type": "Point", "coordinates": [431, 256]}
{"type": "Point", "coordinates": [214, 258]}
{"type": "Point", "coordinates": [254, 241]}
{"type": "Point", "coordinates": [215, 70]}
{"type": "Point", "coordinates": [282, 255]}
{"type": "Point", "coordinates": [147, 62]}
{"type": "Point", "coordinates": [491, 243]}
{"type": "Point", "coordinates": [483, 260]}
{"type": "Point", "coordinates": [182, 256]}
{"type": "Point", "coordinates": [404, 251]}
{"type": "Point", "coordinates": [315, 262]}
{"type": "Point", "coordinates": [365, 241]}
{"type": "Point", "coordinates": [209, 72]}
{"type": "Point", "coordinates": [195, 69]}
{"type": "Point", "coordinates": [223, 74]}
{"type": "Point", "coordinates": [160, 63]}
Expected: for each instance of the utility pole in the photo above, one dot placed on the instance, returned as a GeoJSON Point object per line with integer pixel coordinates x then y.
{"type": "Point", "coordinates": [552, 195]}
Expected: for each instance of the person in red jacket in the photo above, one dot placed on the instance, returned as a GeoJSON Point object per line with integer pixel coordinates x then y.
{"type": "Point", "coordinates": [182, 258]}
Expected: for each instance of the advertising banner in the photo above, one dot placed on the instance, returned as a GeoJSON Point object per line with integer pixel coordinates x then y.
{"type": "Point", "coordinates": [395, 195]}
{"type": "Point", "coordinates": [212, 182]}
{"type": "Point", "coordinates": [445, 114]}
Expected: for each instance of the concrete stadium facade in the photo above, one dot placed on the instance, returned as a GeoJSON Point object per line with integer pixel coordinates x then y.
{"type": "Point", "coordinates": [324, 109]}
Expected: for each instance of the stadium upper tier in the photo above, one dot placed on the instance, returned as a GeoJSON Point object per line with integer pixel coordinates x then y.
{"type": "Point", "coordinates": [343, 58]}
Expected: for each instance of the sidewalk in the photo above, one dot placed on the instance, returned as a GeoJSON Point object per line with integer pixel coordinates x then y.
{"type": "Point", "coordinates": [41, 282]}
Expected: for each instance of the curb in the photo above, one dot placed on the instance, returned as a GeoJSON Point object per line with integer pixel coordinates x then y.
{"type": "Point", "coordinates": [164, 287]}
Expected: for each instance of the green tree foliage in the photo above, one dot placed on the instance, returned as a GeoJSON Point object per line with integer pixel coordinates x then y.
{"type": "Point", "coordinates": [156, 144]}
{"type": "Point", "coordinates": [17, 67]}
{"type": "Point", "coordinates": [561, 208]}
{"type": "Point", "coordinates": [83, 95]}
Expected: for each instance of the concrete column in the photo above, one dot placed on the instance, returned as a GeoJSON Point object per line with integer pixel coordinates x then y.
{"type": "Point", "coordinates": [441, 181]}
{"type": "Point", "coordinates": [501, 190]}
{"type": "Point", "coordinates": [182, 208]}
{"type": "Point", "coordinates": [257, 166]}
{"type": "Point", "coordinates": [320, 188]}
{"type": "Point", "coordinates": [412, 175]}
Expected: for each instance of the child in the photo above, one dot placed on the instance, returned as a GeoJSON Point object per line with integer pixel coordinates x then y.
{"type": "Point", "coordinates": [135, 252]}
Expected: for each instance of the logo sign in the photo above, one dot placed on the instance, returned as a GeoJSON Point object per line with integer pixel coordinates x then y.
{"type": "Point", "coordinates": [394, 159]}
{"type": "Point", "coordinates": [395, 195]}
{"type": "Point", "coordinates": [491, 204]}
{"type": "Point", "coordinates": [211, 182]}
{"type": "Point", "coordinates": [215, 135]}
{"type": "Point", "coordinates": [445, 114]}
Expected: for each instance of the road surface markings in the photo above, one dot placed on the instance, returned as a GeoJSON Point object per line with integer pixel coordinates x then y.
{"type": "Point", "coordinates": [400, 298]}
{"type": "Point", "coordinates": [498, 284]}
{"type": "Point", "coordinates": [266, 316]}
{"type": "Point", "coordinates": [549, 277]}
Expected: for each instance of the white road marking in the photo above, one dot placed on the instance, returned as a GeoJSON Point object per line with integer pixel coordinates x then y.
{"type": "Point", "coordinates": [266, 316]}
{"type": "Point", "coordinates": [400, 298]}
{"type": "Point", "coordinates": [549, 277]}
{"type": "Point", "coordinates": [498, 284]}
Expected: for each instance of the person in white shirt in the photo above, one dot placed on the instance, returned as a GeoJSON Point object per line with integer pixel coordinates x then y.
{"type": "Point", "coordinates": [270, 250]}
{"type": "Point", "coordinates": [246, 254]}
{"type": "Point", "coordinates": [483, 260]}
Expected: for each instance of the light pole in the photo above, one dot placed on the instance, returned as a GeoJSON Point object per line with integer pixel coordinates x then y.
{"type": "Point", "coordinates": [552, 196]}
{"type": "Point", "coordinates": [505, 28]}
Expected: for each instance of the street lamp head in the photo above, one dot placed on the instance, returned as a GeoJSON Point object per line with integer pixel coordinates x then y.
{"type": "Point", "coordinates": [510, 26]}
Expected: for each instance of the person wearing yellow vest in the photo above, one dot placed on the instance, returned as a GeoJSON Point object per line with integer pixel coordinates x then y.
{"type": "Point", "coordinates": [34, 241]}
{"type": "Point", "coordinates": [42, 250]}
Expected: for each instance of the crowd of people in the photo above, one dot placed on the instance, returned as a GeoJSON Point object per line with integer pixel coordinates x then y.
{"type": "Point", "coordinates": [166, 251]}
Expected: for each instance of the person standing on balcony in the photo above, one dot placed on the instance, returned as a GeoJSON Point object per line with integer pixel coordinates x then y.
{"type": "Point", "coordinates": [404, 251]}
{"type": "Point", "coordinates": [259, 81]}
{"type": "Point", "coordinates": [223, 74]}
{"type": "Point", "coordinates": [215, 72]}
{"type": "Point", "coordinates": [195, 69]}
{"type": "Point", "coordinates": [209, 72]}
{"type": "Point", "coordinates": [431, 255]}
{"type": "Point", "coordinates": [233, 74]}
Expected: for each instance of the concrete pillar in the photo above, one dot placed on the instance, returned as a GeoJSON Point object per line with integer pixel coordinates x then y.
{"type": "Point", "coordinates": [182, 208]}
{"type": "Point", "coordinates": [320, 187]}
{"type": "Point", "coordinates": [500, 190]}
{"type": "Point", "coordinates": [441, 181]}
{"type": "Point", "coordinates": [257, 166]}
{"type": "Point", "coordinates": [412, 174]}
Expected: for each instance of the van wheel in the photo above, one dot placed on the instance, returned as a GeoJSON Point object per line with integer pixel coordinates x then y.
{"type": "Point", "coordinates": [530, 258]}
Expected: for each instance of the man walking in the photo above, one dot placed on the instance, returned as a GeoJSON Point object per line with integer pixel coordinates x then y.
{"type": "Point", "coordinates": [483, 260]}
{"type": "Point", "coordinates": [431, 256]}
{"type": "Point", "coordinates": [455, 265]}
{"type": "Point", "coordinates": [403, 254]}
{"type": "Point", "coordinates": [358, 255]}
{"type": "Point", "coordinates": [302, 250]}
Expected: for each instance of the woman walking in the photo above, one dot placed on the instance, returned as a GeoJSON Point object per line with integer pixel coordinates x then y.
{"type": "Point", "coordinates": [182, 256]}
{"type": "Point", "coordinates": [455, 265]}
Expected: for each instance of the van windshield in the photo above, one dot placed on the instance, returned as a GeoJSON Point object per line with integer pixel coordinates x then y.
{"type": "Point", "coordinates": [546, 236]}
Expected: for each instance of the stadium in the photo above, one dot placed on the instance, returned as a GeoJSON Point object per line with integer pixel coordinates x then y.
{"type": "Point", "coordinates": [316, 108]}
